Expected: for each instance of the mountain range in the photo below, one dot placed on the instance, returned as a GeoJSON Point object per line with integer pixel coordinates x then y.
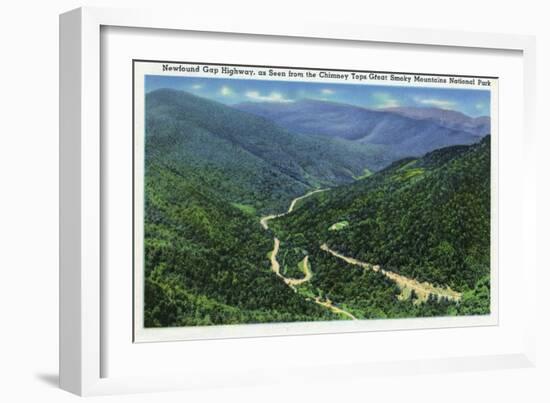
{"type": "Point", "coordinates": [479, 126]}
{"type": "Point", "coordinates": [213, 172]}
{"type": "Point", "coordinates": [247, 158]}
{"type": "Point", "coordinates": [401, 131]}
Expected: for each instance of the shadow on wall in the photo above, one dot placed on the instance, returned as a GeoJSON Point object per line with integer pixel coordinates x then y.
{"type": "Point", "coordinates": [49, 379]}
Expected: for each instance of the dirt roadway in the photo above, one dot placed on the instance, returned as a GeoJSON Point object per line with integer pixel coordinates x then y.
{"type": "Point", "coordinates": [294, 282]}
{"type": "Point", "coordinates": [422, 290]}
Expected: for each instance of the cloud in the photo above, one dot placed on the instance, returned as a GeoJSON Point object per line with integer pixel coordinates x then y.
{"type": "Point", "coordinates": [226, 91]}
{"type": "Point", "coordinates": [390, 103]}
{"type": "Point", "coordinates": [438, 103]}
{"type": "Point", "coordinates": [272, 97]}
{"type": "Point", "coordinates": [480, 106]}
{"type": "Point", "coordinates": [384, 100]}
{"type": "Point", "coordinates": [327, 91]}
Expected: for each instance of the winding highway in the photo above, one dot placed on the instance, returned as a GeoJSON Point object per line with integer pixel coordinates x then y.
{"type": "Point", "coordinates": [294, 282]}
{"type": "Point", "coordinates": [422, 289]}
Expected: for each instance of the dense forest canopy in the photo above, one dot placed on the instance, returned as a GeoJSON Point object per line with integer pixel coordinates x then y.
{"type": "Point", "coordinates": [246, 158]}
{"type": "Point", "coordinates": [426, 218]}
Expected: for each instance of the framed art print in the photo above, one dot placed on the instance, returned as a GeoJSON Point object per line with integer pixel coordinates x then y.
{"type": "Point", "coordinates": [244, 203]}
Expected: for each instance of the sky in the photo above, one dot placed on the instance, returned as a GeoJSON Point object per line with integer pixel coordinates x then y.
{"type": "Point", "coordinates": [233, 91]}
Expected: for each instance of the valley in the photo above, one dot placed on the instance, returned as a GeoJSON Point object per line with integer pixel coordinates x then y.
{"type": "Point", "coordinates": [312, 211]}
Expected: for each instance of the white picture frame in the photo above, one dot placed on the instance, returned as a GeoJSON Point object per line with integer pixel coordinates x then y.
{"type": "Point", "coordinates": [81, 306]}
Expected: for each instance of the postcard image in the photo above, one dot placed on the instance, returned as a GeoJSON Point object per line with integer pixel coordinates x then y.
{"type": "Point", "coordinates": [289, 195]}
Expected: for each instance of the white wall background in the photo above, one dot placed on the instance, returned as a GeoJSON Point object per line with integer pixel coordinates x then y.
{"type": "Point", "coordinates": [29, 187]}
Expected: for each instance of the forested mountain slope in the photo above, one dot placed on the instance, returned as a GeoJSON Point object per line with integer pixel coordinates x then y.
{"type": "Point", "coordinates": [205, 260]}
{"type": "Point", "coordinates": [425, 218]}
{"type": "Point", "coordinates": [210, 173]}
{"type": "Point", "coordinates": [247, 159]}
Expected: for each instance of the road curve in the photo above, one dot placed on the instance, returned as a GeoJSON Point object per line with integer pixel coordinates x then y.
{"type": "Point", "coordinates": [328, 304]}
{"type": "Point", "coordinates": [293, 203]}
{"type": "Point", "coordinates": [275, 267]}
{"type": "Point", "coordinates": [293, 282]}
{"type": "Point", "coordinates": [307, 274]}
